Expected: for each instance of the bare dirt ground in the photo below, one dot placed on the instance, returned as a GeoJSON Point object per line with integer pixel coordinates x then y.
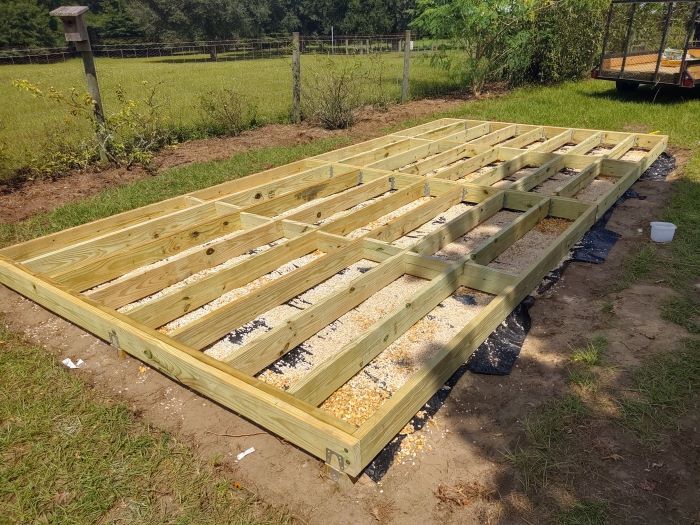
{"type": "Point", "coordinates": [464, 443]}
{"type": "Point", "coordinates": [19, 203]}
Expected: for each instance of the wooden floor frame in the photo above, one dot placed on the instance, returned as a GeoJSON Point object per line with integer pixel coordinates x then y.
{"type": "Point", "coordinates": [286, 204]}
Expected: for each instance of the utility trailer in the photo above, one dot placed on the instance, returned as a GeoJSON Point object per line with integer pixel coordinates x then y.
{"type": "Point", "coordinates": [651, 42]}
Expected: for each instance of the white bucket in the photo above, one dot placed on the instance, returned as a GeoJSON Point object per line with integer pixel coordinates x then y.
{"type": "Point", "coordinates": [662, 231]}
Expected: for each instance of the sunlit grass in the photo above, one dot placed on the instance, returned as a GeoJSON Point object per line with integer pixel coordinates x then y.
{"type": "Point", "coordinates": [265, 82]}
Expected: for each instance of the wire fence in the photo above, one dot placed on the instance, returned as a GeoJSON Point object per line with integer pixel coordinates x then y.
{"type": "Point", "coordinates": [185, 73]}
{"type": "Point", "coordinates": [226, 50]}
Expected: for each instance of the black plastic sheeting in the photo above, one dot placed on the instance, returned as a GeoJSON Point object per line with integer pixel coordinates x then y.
{"type": "Point", "coordinates": [498, 354]}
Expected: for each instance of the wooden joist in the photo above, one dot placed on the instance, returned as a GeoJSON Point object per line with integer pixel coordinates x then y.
{"type": "Point", "coordinates": [343, 207]}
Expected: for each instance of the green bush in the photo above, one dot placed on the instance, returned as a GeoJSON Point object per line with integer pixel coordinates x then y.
{"type": "Point", "coordinates": [128, 136]}
{"type": "Point", "coordinates": [517, 42]}
{"type": "Point", "coordinates": [332, 93]}
{"type": "Point", "coordinates": [567, 38]}
{"type": "Point", "coordinates": [227, 112]}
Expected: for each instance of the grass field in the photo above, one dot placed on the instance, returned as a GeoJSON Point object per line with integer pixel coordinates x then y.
{"type": "Point", "coordinates": [26, 119]}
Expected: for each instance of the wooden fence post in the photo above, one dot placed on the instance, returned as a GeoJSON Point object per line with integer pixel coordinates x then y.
{"type": "Point", "coordinates": [75, 31]}
{"type": "Point", "coordinates": [296, 79]}
{"type": "Point", "coordinates": [406, 64]}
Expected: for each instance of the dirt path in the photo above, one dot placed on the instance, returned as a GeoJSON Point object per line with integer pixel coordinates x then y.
{"type": "Point", "coordinates": [465, 441]}
{"type": "Point", "coordinates": [17, 204]}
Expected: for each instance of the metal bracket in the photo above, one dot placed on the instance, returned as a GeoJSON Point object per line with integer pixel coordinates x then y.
{"type": "Point", "coordinates": [392, 183]}
{"type": "Point", "coordinates": [426, 190]}
{"type": "Point", "coordinates": [360, 177]}
{"type": "Point", "coordinates": [332, 472]}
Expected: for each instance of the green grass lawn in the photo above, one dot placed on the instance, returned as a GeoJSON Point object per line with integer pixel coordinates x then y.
{"type": "Point", "coordinates": [67, 456]}
{"type": "Point", "coordinates": [266, 82]}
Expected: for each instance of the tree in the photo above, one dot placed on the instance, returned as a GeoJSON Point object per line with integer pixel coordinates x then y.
{"type": "Point", "coordinates": [23, 23]}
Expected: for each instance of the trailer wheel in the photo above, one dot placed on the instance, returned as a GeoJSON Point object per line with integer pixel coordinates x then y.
{"type": "Point", "coordinates": [626, 86]}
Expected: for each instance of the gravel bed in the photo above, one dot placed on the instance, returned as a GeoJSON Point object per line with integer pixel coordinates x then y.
{"type": "Point", "coordinates": [596, 189]}
{"type": "Point", "coordinates": [634, 155]}
{"type": "Point", "coordinates": [154, 265]}
{"type": "Point", "coordinates": [526, 250]}
{"type": "Point", "coordinates": [414, 236]}
{"type": "Point", "coordinates": [384, 219]}
{"type": "Point", "coordinates": [327, 342]}
{"type": "Point", "coordinates": [237, 293]}
{"type": "Point", "coordinates": [362, 395]}
{"type": "Point", "coordinates": [465, 244]}
{"type": "Point", "coordinates": [353, 209]}
{"type": "Point", "coordinates": [202, 274]}
{"type": "Point", "coordinates": [549, 186]}
{"type": "Point", "coordinates": [279, 315]}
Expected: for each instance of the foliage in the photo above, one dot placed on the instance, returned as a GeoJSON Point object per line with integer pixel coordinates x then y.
{"type": "Point", "coordinates": [503, 40]}
{"type": "Point", "coordinates": [485, 31]}
{"type": "Point", "coordinates": [379, 95]}
{"type": "Point", "coordinates": [23, 23]}
{"type": "Point", "coordinates": [129, 136]}
{"type": "Point", "coordinates": [333, 94]}
{"type": "Point", "coordinates": [228, 112]}
{"type": "Point", "coordinates": [566, 39]}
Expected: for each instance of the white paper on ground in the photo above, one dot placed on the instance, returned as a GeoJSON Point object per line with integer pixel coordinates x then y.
{"type": "Point", "coordinates": [70, 364]}
{"type": "Point", "coordinates": [245, 453]}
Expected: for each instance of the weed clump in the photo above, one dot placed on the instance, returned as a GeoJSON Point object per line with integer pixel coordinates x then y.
{"type": "Point", "coordinates": [127, 137]}
{"type": "Point", "coordinates": [332, 94]}
{"type": "Point", "coordinates": [227, 112]}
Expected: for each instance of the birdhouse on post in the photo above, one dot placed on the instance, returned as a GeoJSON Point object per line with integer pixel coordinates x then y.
{"type": "Point", "coordinates": [76, 31]}
{"type": "Point", "coordinates": [73, 24]}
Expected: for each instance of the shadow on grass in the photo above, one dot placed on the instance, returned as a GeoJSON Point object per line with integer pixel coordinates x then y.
{"type": "Point", "coordinates": [668, 95]}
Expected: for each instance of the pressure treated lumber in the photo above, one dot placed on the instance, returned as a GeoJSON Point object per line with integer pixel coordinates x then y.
{"type": "Point", "coordinates": [342, 207]}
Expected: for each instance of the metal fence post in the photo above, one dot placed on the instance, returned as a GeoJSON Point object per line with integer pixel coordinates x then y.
{"type": "Point", "coordinates": [406, 64]}
{"type": "Point", "coordinates": [296, 79]}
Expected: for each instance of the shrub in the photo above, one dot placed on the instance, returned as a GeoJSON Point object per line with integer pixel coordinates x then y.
{"type": "Point", "coordinates": [485, 32]}
{"type": "Point", "coordinates": [567, 38]}
{"type": "Point", "coordinates": [128, 136]}
{"type": "Point", "coordinates": [332, 94]}
{"type": "Point", "coordinates": [227, 112]}
{"type": "Point", "coordinates": [501, 40]}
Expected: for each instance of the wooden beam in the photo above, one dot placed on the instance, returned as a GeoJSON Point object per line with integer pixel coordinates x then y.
{"type": "Point", "coordinates": [217, 323]}
{"type": "Point", "coordinates": [374, 211]}
{"type": "Point", "coordinates": [317, 190]}
{"type": "Point", "coordinates": [111, 242]}
{"type": "Point", "coordinates": [96, 270]}
{"type": "Point", "coordinates": [555, 142]}
{"type": "Point", "coordinates": [49, 243]}
{"type": "Point", "coordinates": [176, 304]}
{"type": "Point", "coordinates": [150, 281]}
{"type": "Point", "coordinates": [344, 201]}
{"type": "Point", "coordinates": [525, 139]}
{"type": "Point", "coordinates": [408, 222]}
{"type": "Point", "coordinates": [391, 417]}
{"type": "Point", "coordinates": [578, 181]}
{"type": "Point", "coordinates": [330, 375]}
{"type": "Point", "coordinates": [497, 244]}
{"type": "Point", "coordinates": [266, 349]}
{"type": "Point", "coordinates": [587, 144]}
{"type": "Point", "coordinates": [280, 413]}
